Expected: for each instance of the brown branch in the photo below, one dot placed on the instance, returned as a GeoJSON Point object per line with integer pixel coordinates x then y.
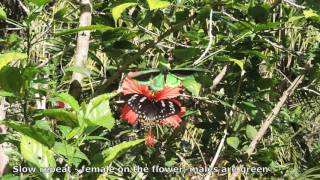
{"type": "Point", "coordinates": [4, 160]}
{"type": "Point", "coordinates": [82, 48]}
{"type": "Point", "coordinates": [219, 77]}
{"type": "Point", "coordinates": [266, 124]}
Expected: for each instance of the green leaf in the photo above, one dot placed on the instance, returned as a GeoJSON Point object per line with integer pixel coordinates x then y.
{"type": "Point", "coordinates": [310, 13]}
{"type": "Point", "coordinates": [3, 15]}
{"type": "Point", "coordinates": [69, 151]}
{"type": "Point", "coordinates": [98, 111]}
{"type": "Point", "coordinates": [251, 132]}
{"type": "Point", "coordinates": [44, 137]}
{"type": "Point", "coordinates": [157, 4]}
{"type": "Point", "coordinates": [260, 13]}
{"type": "Point", "coordinates": [191, 85]}
{"type": "Point", "coordinates": [11, 80]}
{"type": "Point", "coordinates": [62, 115]}
{"type": "Point", "coordinates": [39, 2]}
{"type": "Point", "coordinates": [236, 61]}
{"type": "Point", "coordinates": [74, 132]}
{"type": "Point", "coordinates": [67, 98]}
{"type": "Point", "coordinates": [84, 28]}
{"type": "Point", "coordinates": [6, 94]}
{"type": "Point", "coordinates": [12, 177]}
{"type": "Point", "coordinates": [117, 11]}
{"type": "Point", "coordinates": [37, 153]}
{"type": "Point", "coordinates": [114, 152]}
{"type": "Point", "coordinates": [9, 57]}
{"type": "Point", "coordinates": [233, 142]}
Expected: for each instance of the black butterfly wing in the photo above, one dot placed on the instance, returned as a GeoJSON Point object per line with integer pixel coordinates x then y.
{"type": "Point", "coordinates": [187, 71]}
{"type": "Point", "coordinates": [146, 75]}
{"type": "Point", "coordinates": [161, 110]}
{"type": "Point", "coordinates": [137, 102]}
{"type": "Point", "coordinates": [151, 110]}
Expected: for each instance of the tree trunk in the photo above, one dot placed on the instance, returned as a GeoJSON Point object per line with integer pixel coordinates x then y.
{"type": "Point", "coordinates": [82, 48]}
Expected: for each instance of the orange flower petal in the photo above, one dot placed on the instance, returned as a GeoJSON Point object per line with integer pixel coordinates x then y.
{"type": "Point", "coordinates": [130, 86]}
{"type": "Point", "coordinates": [129, 115]}
{"type": "Point", "coordinates": [173, 121]}
{"type": "Point", "coordinates": [167, 93]}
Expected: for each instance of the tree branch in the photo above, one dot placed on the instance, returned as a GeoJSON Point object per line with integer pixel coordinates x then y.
{"type": "Point", "coordinates": [82, 48]}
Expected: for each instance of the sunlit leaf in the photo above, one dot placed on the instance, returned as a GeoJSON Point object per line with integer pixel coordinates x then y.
{"type": "Point", "coordinates": [157, 4]}
{"type": "Point", "coordinates": [3, 15]}
{"type": "Point", "coordinates": [38, 154]}
{"type": "Point", "coordinates": [39, 2]}
{"type": "Point", "coordinates": [98, 111]}
{"type": "Point", "coordinates": [251, 132]}
{"type": "Point", "coordinates": [9, 57]}
{"type": "Point", "coordinates": [117, 11]}
{"type": "Point", "coordinates": [6, 94]}
{"type": "Point", "coordinates": [233, 142]}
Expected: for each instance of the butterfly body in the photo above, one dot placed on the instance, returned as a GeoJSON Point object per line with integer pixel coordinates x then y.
{"type": "Point", "coordinates": [150, 110]}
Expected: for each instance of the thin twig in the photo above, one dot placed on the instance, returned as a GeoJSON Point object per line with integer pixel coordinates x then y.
{"type": "Point", "coordinates": [294, 4]}
{"type": "Point", "coordinates": [219, 77]}
{"type": "Point", "coordinates": [155, 34]}
{"type": "Point", "coordinates": [216, 156]}
{"type": "Point", "coordinates": [210, 40]}
{"type": "Point", "coordinates": [266, 124]}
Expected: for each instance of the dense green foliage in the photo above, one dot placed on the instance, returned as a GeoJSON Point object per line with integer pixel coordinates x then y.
{"type": "Point", "coordinates": [262, 44]}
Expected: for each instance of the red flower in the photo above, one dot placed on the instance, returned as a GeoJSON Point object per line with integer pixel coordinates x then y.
{"type": "Point", "coordinates": [150, 140]}
{"type": "Point", "coordinates": [130, 86]}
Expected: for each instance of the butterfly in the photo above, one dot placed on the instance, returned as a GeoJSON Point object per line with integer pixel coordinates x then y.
{"type": "Point", "coordinates": [180, 72]}
{"type": "Point", "coordinates": [150, 111]}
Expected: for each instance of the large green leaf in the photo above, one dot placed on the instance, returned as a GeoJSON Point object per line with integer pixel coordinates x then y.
{"type": "Point", "coordinates": [157, 4]}
{"type": "Point", "coordinates": [62, 115]}
{"type": "Point", "coordinates": [67, 98]}
{"type": "Point", "coordinates": [84, 28]}
{"type": "Point", "coordinates": [191, 85]}
{"type": "Point", "coordinates": [38, 154]}
{"type": "Point", "coordinates": [11, 56]}
{"type": "Point", "coordinates": [44, 137]}
{"type": "Point", "coordinates": [117, 11]}
{"type": "Point", "coordinates": [98, 111]}
{"type": "Point", "coordinates": [3, 15]}
{"type": "Point", "coordinates": [69, 151]}
{"type": "Point", "coordinates": [114, 152]}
